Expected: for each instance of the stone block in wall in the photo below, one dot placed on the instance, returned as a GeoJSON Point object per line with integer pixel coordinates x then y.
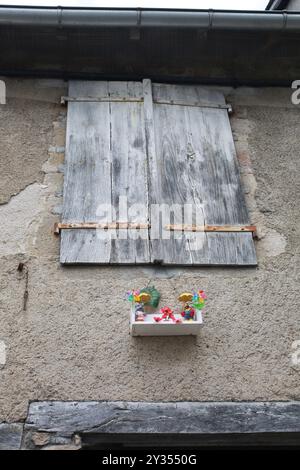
{"type": "Point", "coordinates": [10, 436]}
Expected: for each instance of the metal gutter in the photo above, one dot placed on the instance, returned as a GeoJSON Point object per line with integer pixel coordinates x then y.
{"type": "Point", "coordinates": [148, 18]}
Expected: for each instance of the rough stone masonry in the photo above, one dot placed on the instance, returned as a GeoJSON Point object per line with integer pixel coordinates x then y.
{"type": "Point", "coordinates": [65, 329]}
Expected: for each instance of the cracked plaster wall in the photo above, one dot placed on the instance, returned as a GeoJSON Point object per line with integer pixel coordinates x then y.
{"type": "Point", "coordinates": [69, 340]}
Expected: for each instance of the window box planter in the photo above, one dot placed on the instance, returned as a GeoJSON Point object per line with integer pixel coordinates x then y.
{"type": "Point", "coordinates": [149, 327]}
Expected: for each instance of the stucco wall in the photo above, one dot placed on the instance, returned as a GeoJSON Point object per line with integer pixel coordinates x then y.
{"type": "Point", "coordinates": [66, 328]}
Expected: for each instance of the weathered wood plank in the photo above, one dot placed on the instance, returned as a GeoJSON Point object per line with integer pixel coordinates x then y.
{"type": "Point", "coordinates": [198, 166]}
{"type": "Point", "coordinates": [129, 173]}
{"type": "Point", "coordinates": [263, 420]}
{"type": "Point", "coordinates": [170, 140]}
{"type": "Point", "coordinates": [157, 245]}
{"type": "Point", "coordinates": [88, 174]}
{"type": "Point", "coordinates": [187, 94]}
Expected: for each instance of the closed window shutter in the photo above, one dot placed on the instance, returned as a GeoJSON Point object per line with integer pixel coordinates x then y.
{"type": "Point", "coordinates": [106, 158]}
{"type": "Point", "coordinates": [156, 144]}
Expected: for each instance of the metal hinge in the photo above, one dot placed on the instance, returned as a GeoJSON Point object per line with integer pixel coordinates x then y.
{"type": "Point", "coordinates": [172, 228]}
{"type": "Point", "coordinates": [93, 99]}
{"type": "Point", "coordinates": [101, 226]}
{"type": "Point", "coordinates": [213, 228]}
{"type": "Point", "coordinates": [195, 104]}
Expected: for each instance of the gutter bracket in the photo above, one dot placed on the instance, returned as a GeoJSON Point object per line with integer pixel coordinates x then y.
{"type": "Point", "coordinates": [59, 16]}
{"type": "Point", "coordinates": [135, 32]}
{"type": "Point", "coordinates": [285, 18]}
{"type": "Point", "coordinates": [210, 18]}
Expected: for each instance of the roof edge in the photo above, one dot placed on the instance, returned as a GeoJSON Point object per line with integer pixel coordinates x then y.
{"type": "Point", "coordinates": [142, 18]}
{"type": "Point", "coordinates": [274, 5]}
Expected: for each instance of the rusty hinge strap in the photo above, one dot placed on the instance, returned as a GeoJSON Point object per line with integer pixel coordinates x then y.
{"type": "Point", "coordinates": [212, 228]}
{"type": "Point", "coordinates": [93, 226]}
{"type": "Point", "coordinates": [95, 99]}
{"type": "Point", "coordinates": [195, 104]}
{"type": "Point", "coordinates": [134, 225]}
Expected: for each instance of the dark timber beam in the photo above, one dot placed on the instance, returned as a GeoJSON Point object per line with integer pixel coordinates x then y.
{"type": "Point", "coordinates": [100, 424]}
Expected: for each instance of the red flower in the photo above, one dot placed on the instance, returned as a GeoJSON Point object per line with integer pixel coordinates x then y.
{"type": "Point", "coordinates": [167, 311]}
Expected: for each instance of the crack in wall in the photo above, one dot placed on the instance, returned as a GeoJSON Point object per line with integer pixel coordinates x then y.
{"type": "Point", "coordinates": [23, 268]}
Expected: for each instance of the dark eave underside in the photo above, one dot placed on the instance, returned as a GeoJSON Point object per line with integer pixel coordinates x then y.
{"type": "Point", "coordinates": [223, 56]}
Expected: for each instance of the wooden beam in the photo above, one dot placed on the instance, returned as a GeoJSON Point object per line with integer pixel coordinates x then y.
{"type": "Point", "coordinates": [196, 423]}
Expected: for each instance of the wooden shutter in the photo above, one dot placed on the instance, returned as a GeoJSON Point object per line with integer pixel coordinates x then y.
{"type": "Point", "coordinates": [105, 158]}
{"type": "Point", "coordinates": [156, 144]}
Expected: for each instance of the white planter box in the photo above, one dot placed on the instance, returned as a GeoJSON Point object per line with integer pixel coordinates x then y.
{"type": "Point", "coordinates": [150, 327]}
